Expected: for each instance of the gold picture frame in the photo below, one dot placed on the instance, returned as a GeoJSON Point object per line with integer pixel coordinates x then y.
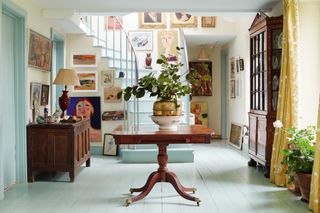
{"type": "Point", "coordinates": [236, 134]}
{"type": "Point", "coordinates": [208, 21]}
{"type": "Point", "coordinates": [183, 20]}
{"type": "Point", "coordinates": [153, 20]}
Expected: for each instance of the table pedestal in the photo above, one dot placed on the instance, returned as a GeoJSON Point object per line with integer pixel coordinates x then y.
{"type": "Point", "coordinates": [162, 175]}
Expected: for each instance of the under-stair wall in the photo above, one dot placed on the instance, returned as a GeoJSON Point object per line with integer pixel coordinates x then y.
{"type": "Point", "coordinates": [109, 57]}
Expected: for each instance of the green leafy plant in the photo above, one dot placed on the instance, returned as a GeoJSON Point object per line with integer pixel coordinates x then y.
{"type": "Point", "coordinates": [300, 155]}
{"type": "Point", "coordinates": [167, 86]}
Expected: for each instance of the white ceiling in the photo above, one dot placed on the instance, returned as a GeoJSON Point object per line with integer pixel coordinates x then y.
{"type": "Point", "coordinates": [207, 40]}
{"type": "Point", "coordinates": [126, 6]}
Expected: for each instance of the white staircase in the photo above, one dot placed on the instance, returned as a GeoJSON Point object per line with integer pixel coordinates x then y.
{"type": "Point", "coordinates": [121, 56]}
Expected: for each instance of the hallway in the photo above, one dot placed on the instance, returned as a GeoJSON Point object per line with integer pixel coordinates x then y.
{"type": "Point", "coordinates": [225, 184]}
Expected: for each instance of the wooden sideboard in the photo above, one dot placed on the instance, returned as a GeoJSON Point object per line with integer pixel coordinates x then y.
{"type": "Point", "coordinates": [59, 147]}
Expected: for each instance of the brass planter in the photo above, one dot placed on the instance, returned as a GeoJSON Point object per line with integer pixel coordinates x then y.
{"type": "Point", "coordinates": [166, 108]}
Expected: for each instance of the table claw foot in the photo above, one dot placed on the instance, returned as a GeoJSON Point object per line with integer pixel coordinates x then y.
{"type": "Point", "coordinates": [128, 202]}
{"type": "Point", "coordinates": [198, 201]}
{"type": "Point", "coordinates": [194, 190]}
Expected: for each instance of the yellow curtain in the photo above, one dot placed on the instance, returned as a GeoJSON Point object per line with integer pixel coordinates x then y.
{"type": "Point", "coordinates": [315, 181]}
{"type": "Point", "coordinates": [287, 99]}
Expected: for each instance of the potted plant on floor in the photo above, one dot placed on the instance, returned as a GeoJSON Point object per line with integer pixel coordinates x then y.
{"type": "Point", "coordinates": [168, 88]}
{"type": "Point", "coordinates": [299, 156]}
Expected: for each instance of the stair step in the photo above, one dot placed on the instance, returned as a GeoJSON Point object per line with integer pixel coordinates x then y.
{"type": "Point", "coordinates": [176, 155]}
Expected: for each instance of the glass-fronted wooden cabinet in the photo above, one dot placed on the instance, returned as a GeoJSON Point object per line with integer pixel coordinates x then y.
{"type": "Point", "coordinates": [265, 65]}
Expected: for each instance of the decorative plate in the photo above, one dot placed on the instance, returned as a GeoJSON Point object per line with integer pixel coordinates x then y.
{"type": "Point", "coordinates": [280, 40]}
{"type": "Point", "coordinates": [275, 82]}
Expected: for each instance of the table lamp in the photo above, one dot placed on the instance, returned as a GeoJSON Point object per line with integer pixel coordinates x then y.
{"type": "Point", "coordinates": [66, 77]}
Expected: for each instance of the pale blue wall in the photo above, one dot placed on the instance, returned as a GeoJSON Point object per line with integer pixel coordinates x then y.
{"type": "Point", "coordinates": [20, 93]}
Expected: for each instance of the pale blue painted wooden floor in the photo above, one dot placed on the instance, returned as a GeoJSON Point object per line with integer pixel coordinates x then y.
{"type": "Point", "coordinates": [225, 184]}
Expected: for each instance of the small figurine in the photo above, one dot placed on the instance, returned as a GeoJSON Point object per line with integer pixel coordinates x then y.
{"type": "Point", "coordinates": [148, 61]}
{"type": "Point", "coordinates": [56, 116]}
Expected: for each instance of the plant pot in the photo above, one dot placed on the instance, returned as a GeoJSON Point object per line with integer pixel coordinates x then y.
{"type": "Point", "coordinates": [167, 122]}
{"type": "Point", "coordinates": [295, 187]}
{"type": "Point", "coordinates": [305, 183]}
{"type": "Point", "coordinates": [166, 108]}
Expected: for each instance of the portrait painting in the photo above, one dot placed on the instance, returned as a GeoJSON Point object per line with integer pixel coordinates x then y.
{"type": "Point", "coordinates": [141, 40]}
{"type": "Point", "coordinates": [40, 51]}
{"type": "Point", "coordinates": [200, 111]}
{"type": "Point", "coordinates": [83, 60]}
{"type": "Point", "coordinates": [235, 138]}
{"type": "Point", "coordinates": [112, 23]}
{"type": "Point", "coordinates": [183, 20]}
{"type": "Point", "coordinates": [88, 82]}
{"type": "Point", "coordinates": [109, 145]}
{"type": "Point", "coordinates": [208, 21]}
{"type": "Point", "coordinates": [201, 87]}
{"type": "Point", "coordinates": [44, 94]}
{"type": "Point", "coordinates": [167, 45]}
{"type": "Point", "coordinates": [35, 94]}
{"type": "Point", "coordinates": [110, 95]}
{"type": "Point", "coordinates": [88, 107]}
{"type": "Point", "coordinates": [113, 115]}
{"type": "Point", "coordinates": [153, 20]}
{"type": "Point", "coordinates": [107, 78]}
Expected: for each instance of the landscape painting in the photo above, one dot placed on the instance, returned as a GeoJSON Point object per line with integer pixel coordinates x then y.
{"type": "Point", "coordinates": [83, 60]}
{"type": "Point", "coordinates": [88, 82]}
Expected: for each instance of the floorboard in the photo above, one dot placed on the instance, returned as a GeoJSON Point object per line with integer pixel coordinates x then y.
{"type": "Point", "coordinates": [220, 173]}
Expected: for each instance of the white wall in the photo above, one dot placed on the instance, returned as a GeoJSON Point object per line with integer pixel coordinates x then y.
{"type": "Point", "coordinates": [214, 101]}
{"type": "Point", "coordinates": [309, 76]}
{"type": "Point", "coordinates": [240, 47]}
{"type": "Point", "coordinates": [37, 23]}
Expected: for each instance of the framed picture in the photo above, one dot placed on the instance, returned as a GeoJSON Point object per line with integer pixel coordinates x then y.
{"type": "Point", "coordinates": [35, 94]}
{"type": "Point", "coordinates": [110, 95]}
{"type": "Point", "coordinates": [88, 107]}
{"type": "Point", "coordinates": [204, 88]}
{"type": "Point", "coordinates": [183, 20]}
{"type": "Point", "coordinates": [107, 78]}
{"type": "Point", "coordinates": [232, 88]}
{"type": "Point", "coordinates": [40, 51]}
{"type": "Point", "coordinates": [208, 21]}
{"type": "Point", "coordinates": [109, 145]}
{"type": "Point", "coordinates": [88, 82]}
{"type": "Point", "coordinates": [152, 20]}
{"type": "Point", "coordinates": [113, 24]}
{"type": "Point", "coordinates": [238, 66]}
{"type": "Point", "coordinates": [241, 64]}
{"type": "Point", "coordinates": [44, 94]}
{"type": "Point", "coordinates": [141, 40]}
{"type": "Point", "coordinates": [83, 60]}
{"type": "Point", "coordinates": [233, 68]}
{"type": "Point", "coordinates": [200, 111]}
{"type": "Point", "coordinates": [113, 115]}
{"type": "Point", "coordinates": [235, 138]}
{"type": "Point", "coordinates": [167, 43]}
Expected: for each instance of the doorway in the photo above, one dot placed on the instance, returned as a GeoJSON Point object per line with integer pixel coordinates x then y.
{"type": "Point", "coordinates": [12, 97]}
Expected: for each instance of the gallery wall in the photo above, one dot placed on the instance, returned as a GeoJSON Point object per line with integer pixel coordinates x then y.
{"type": "Point", "coordinates": [214, 101]}
{"type": "Point", "coordinates": [37, 23]}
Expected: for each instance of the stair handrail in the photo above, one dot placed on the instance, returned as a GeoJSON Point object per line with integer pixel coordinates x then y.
{"type": "Point", "coordinates": [184, 52]}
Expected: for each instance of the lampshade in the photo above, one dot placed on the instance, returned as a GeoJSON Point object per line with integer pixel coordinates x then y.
{"type": "Point", "coordinates": [203, 55]}
{"type": "Point", "coordinates": [67, 77]}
